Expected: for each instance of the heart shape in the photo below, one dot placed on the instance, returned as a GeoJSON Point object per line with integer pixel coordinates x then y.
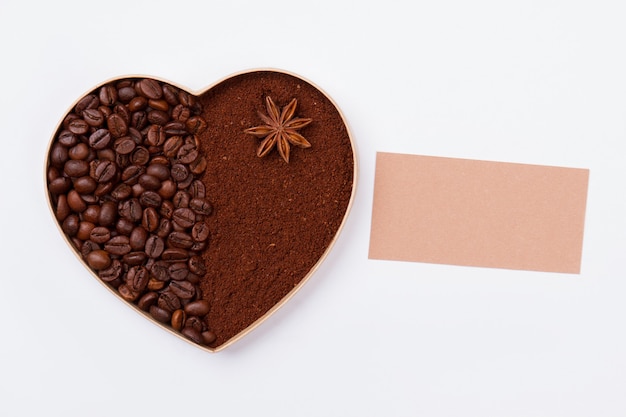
{"type": "Point", "coordinates": [162, 195]}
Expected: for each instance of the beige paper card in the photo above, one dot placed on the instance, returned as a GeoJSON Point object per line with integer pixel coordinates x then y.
{"type": "Point", "coordinates": [478, 213]}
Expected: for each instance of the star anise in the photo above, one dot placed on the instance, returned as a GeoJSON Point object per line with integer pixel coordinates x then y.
{"type": "Point", "coordinates": [279, 129]}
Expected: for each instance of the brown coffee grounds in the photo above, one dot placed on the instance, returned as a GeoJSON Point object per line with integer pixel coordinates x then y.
{"type": "Point", "coordinates": [272, 220]}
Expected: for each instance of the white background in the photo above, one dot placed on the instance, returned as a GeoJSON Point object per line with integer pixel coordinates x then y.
{"type": "Point", "coordinates": [541, 82]}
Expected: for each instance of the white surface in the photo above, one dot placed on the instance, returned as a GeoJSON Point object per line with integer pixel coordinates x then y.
{"type": "Point", "coordinates": [540, 82]}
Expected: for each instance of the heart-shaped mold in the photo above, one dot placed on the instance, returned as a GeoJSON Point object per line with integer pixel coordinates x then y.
{"type": "Point", "coordinates": [162, 195]}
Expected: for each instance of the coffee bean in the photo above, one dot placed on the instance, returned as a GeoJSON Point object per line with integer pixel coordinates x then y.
{"type": "Point", "coordinates": [158, 117]}
{"type": "Point", "coordinates": [75, 201]}
{"type": "Point", "coordinates": [78, 127]}
{"type": "Point", "coordinates": [183, 185]}
{"type": "Point", "coordinates": [135, 258]}
{"type": "Point", "coordinates": [179, 172]}
{"type": "Point", "coordinates": [200, 232]}
{"type": "Point", "coordinates": [90, 101]}
{"type": "Point", "coordinates": [137, 103]}
{"type": "Point", "coordinates": [98, 259]}
{"type": "Point", "coordinates": [131, 174]}
{"type": "Point", "coordinates": [149, 182]}
{"type": "Point", "coordinates": [137, 278]}
{"type": "Point", "coordinates": [102, 189]}
{"type": "Point", "coordinates": [192, 334]}
{"type": "Point", "coordinates": [59, 185]}
{"type": "Point", "coordinates": [197, 308]}
{"type": "Point", "coordinates": [198, 166]}
{"type": "Point", "coordinates": [185, 217]}
{"type": "Point", "coordinates": [160, 271]}
{"type": "Point", "coordinates": [196, 124]}
{"type": "Point", "coordinates": [105, 171]}
{"type": "Point", "coordinates": [113, 272]}
{"type": "Point", "coordinates": [187, 153]}
{"type": "Point", "coordinates": [168, 189]}
{"type": "Point", "coordinates": [154, 246]}
{"type": "Point", "coordinates": [168, 301]}
{"type": "Point", "coordinates": [118, 245]}
{"type": "Point", "coordinates": [127, 293]}
{"type": "Point", "coordinates": [70, 225]}
{"type": "Point", "coordinates": [131, 209]}
{"type": "Point", "coordinates": [184, 290]}
{"type": "Point", "coordinates": [150, 219]}
{"type": "Point", "coordinates": [85, 185]}
{"type": "Point", "coordinates": [175, 128]}
{"type": "Point", "coordinates": [117, 125]}
{"type": "Point", "coordinates": [208, 337]}
{"type": "Point", "coordinates": [100, 235]}
{"type": "Point", "coordinates": [197, 189]}
{"type": "Point", "coordinates": [164, 229]}
{"type": "Point", "coordinates": [178, 271]}
{"type": "Point", "coordinates": [123, 112]}
{"type": "Point", "coordinates": [76, 168]}
{"type": "Point", "coordinates": [178, 319]}
{"type": "Point", "coordinates": [62, 209]}
{"type": "Point", "coordinates": [179, 240]}
{"type": "Point", "coordinates": [108, 214]}
{"type": "Point", "coordinates": [149, 88]}
{"type": "Point", "coordinates": [181, 113]}
{"type": "Point", "coordinates": [67, 138]}
{"type": "Point", "coordinates": [155, 136]}
{"type": "Point", "coordinates": [140, 156]}
{"type": "Point", "coordinates": [170, 94]}
{"type": "Point", "coordinates": [91, 213]}
{"type": "Point", "coordinates": [100, 139]}
{"type": "Point", "coordinates": [197, 266]}
{"type": "Point", "coordinates": [93, 117]}
{"type": "Point", "coordinates": [126, 94]}
{"type": "Point", "coordinates": [84, 230]}
{"type": "Point", "coordinates": [160, 314]}
{"type": "Point", "coordinates": [124, 226]}
{"type": "Point", "coordinates": [124, 145]}
{"type": "Point", "coordinates": [147, 300]}
{"type": "Point", "coordinates": [108, 95]}
{"type": "Point", "coordinates": [175, 254]}
{"type": "Point", "coordinates": [201, 206]}
{"type": "Point", "coordinates": [78, 151]}
{"type": "Point", "coordinates": [138, 238]}
{"type": "Point", "coordinates": [181, 199]}
{"type": "Point", "coordinates": [167, 209]}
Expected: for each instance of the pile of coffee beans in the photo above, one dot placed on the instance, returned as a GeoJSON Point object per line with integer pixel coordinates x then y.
{"type": "Point", "coordinates": [123, 181]}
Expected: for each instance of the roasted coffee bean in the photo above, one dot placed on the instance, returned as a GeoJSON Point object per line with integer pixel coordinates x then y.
{"type": "Point", "coordinates": [167, 209]}
{"type": "Point", "coordinates": [149, 88]}
{"type": "Point", "coordinates": [194, 323]}
{"type": "Point", "coordinates": [200, 232]}
{"type": "Point", "coordinates": [184, 290]}
{"type": "Point", "coordinates": [106, 154]}
{"type": "Point", "coordinates": [140, 156]}
{"type": "Point", "coordinates": [175, 254]}
{"type": "Point", "coordinates": [155, 285]}
{"type": "Point", "coordinates": [75, 201]}
{"type": "Point", "coordinates": [196, 265]}
{"type": "Point", "coordinates": [158, 117]}
{"type": "Point", "coordinates": [150, 219]}
{"type": "Point", "coordinates": [208, 337]}
{"type": "Point", "coordinates": [67, 138]}
{"type": "Point", "coordinates": [137, 103]}
{"type": "Point", "coordinates": [126, 94]}
{"type": "Point", "coordinates": [161, 105]}
{"type": "Point", "coordinates": [127, 293]}
{"type": "Point", "coordinates": [107, 95]}
{"type": "Point", "coordinates": [160, 271]}
{"type": "Point", "coordinates": [59, 156]}
{"type": "Point", "coordinates": [149, 182]}
{"type": "Point", "coordinates": [154, 246]}
{"type": "Point", "coordinates": [197, 189]}
{"type": "Point", "coordinates": [90, 101]}
{"type": "Point", "coordinates": [197, 308]}
{"type": "Point", "coordinates": [124, 145]}
{"type": "Point", "coordinates": [150, 199]}
{"type": "Point", "coordinates": [181, 113]}
{"type": "Point", "coordinates": [105, 171]}
{"type": "Point", "coordinates": [59, 185]}
{"type": "Point", "coordinates": [164, 229]}
{"type": "Point", "coordinates": [135, 258]}
{"type": "Point", "coordinates": [85, 185]}
{"type": "Point", "coordinates": [117, 125]}
{"type": "Point", "coordinates": [159, 171]}
{"type": "Point", "coordinates": [170, 94]}
{"type": "Point", "coordinates": [75, 168]}
{"type": "Point", "coordinates": [78, 151]}
{"type": "Point", "coordinates": [78, 127]}
{"type": "Point", "coordinates": [160, 314]}
{"type": "Point", "coordinates": [201, 206]}
{"type": "Point", "coordinates": [192, 334]}
{"type": "Point", "coordinates": [185, 217]}
{"type": "Point", "coordinates": [124, 227]}
{"type": "Point", "coordinates": [100, 139]}
{"type": "Point", "coordinates": [70, 225]}
{"type": "Point", "coordinates": [178, 319]}
{"type": "Point", "coordinates": [179, 172]}
{"type": "Point", "coordinates": [88, 246]}
{"type": "Point", "coordinates": [98, 259]}
{"type": "Point", "coordinates": [113, 272]}
{"type": "Point", "coordinates": [179, 240]}
{"type": "Point", "coordinates": [198, 166]}
{"type": "Point", "coordinates": [138, 238]}
{"type": "Point", "coordinates": [121, 192]}
{"type": "Point", "coordinates": [186, 99]}
{"type": "Point", "coordinates": [196, 124]}
{"type": "Point", "coordinates": [137, 278]}
{"type": "Point", "coordinates": [108, 214]}
{"type": "Point", "coordinates": [193, 278]}
{"type": "Point", "coordinates": [91, 213]}
{"type": "Point", "coordinates": [147, 300]}
{"type": "Point", "coordinates": [155, 136]}
{"type": "Point", "coordinates": [187, 153]}
{"type": "Point", "coordinates": [118, 245]}
{"type": "Point", "coordinates": [123, 112]}
{"type": "Point", "coordinates": [183, 185]}
{"type": "Point", "coordinates": [172, 146]}
{"type": "Point", "coordinates": [139, 120]}
{"type": "Point", "coordinates": [178, 271]}
{"type": "Point", "coordinates": [168, 301]}
{"type": "Point", "coordinates": [93, 117]}
{"type": "Point", "coordinates": [102, 189]}
{"type": "Point", "coordinates": [131, 174]}
{"type": "Point", "coordinates": [131, 209]}
{"type": "Point", "coordinates": [168, 189]}
{"type": "Point", "coordinates": [84, 230]}
{"type": "Point", "coordinates": [62, 209]}
{"type": "Point", "coordinates": [100, 235]}
{"type": "Point", "coordinates": [175, 128]}
{"type": "Point", "coordinates": [181, 199]}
